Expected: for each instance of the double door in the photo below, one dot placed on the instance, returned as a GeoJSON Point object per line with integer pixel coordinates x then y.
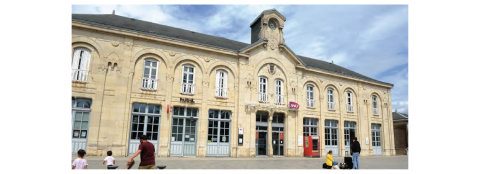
{"type": "Point", "coordinates": [376, 140]}
{"type": "Point", "coordinates": [349, 133]}
{"type": "Point", "coordinates": [278, 141]}
{"type": "Point", "coordinates": [261, 139]}
{"type": "Point", "coordinates": [183, 139]}
{"type": "Point", "coordinates": [331, 137]}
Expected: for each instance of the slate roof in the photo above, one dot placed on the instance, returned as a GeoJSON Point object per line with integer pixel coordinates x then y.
{"type": "Point", "coordinates": [399, 117]}
{"type": "Point", "coordinates": [125, 23]}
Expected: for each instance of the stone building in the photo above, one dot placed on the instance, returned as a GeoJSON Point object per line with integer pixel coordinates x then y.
{"type": "Point", "coordinates": [199, 95]}
{"type": "Point", "coordinates": [400, 129]}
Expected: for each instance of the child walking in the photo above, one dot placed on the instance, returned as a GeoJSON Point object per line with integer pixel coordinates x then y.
{"type": "Point", "coordinates": [109, 159]}
{"type": "Point", "coordinates": [80, 163]}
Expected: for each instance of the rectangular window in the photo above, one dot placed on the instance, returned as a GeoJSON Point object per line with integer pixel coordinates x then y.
{"type": "Point", "coordinates": [310, 94]}
{"type": "Point", "coordinates": [374, 104]}
{"type": "Point", "coordinates": [331, 102]}
{"type": "Point", "coordinates": [262, 90]}
{"type": "Point", "coordinates": [310, 126]}
{"type": "Point", "coordinates": [279, 97]}
{"type": "Point", "coordinates": [150, 72]}
{"type": "Point", "coordinates": [188, 86]}
{"type": "Point", "coordinates": [349, 102]}
{"type": "Point", "coordinates": [80, 64]}
{"type": "Point", "coordinates": [219, 126]}
{"type": "Point", "coordinates": [145, 121]}
{"type": "Point", "coordinates": [221, 84]}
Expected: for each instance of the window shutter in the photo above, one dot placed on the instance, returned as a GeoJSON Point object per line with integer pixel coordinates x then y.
{"type": "Point", "coordinates": [225, 75]}
{"type": "Point", "coordinates": [217, 84]}
{"type": "Point", "coordinates": [76, 56]}
{"type": "Point", "coordinates": [86, 65]}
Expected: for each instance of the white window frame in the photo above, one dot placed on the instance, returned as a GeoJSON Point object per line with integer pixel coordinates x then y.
{"type": "Point", "coordinates": [279, 97]}
{"type": "Point", "coordinates": [149, 83]}
{"type": "Point", "coordinates": [187, 88]}
{"type": "Point", "coordinates": [80, 64]}
{"type": "Point", "coordinates": [349, 101]}
{"type": "Point", "coordinates": [221, 84]}
{"type": "Point", "coordinates": [330, 99]}
{"type": "Point", "coordinates": [310, 96]}
{"type": "Point", "coordinates": [375, 105]}
{"type": "Point", "coordinates": [262, 94]}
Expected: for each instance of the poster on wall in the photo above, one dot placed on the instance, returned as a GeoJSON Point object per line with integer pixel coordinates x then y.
{"type": "Point", "coordinates": [300, 140]}
{"type": "Point", "coordinates": [76, 133]}
{"type": "Point", "coordinates": [84, 134]}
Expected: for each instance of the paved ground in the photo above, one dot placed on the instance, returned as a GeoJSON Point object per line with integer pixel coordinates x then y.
{"type": "Point", "coordinates": [387, 162]}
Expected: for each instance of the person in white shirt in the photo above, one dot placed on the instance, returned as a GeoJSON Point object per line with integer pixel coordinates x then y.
{"type": "Point", "coordinates": [109, 159]}
{"type": "Point", "coordinates": [80, 163]}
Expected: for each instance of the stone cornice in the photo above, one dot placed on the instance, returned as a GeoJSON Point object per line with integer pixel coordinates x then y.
{"type": "Point", "coordinates": [155, 38]}
{"type": "Point", "coordinates": [342, 76]}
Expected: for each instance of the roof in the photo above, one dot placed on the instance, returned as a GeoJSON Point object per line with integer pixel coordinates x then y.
{"type": "Point", "coordinates": [159, 30]}
{"type": "Point", "coordinates": [399, 116]}
{"type": "Point", "coordinates": [150, 28]}
{"type": "Point", "coordinates": [274, 10]}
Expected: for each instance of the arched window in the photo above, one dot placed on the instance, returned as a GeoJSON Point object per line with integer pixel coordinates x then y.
{"type": "Point", "coordinates": [221, 84]}
{"type": "Point", "coordinates": [349, 101]}
{"type": "Point", "coordinates": [331, 102]}
{"type": "Point", "coordinates": [279, 97]}
{"type": "Point", "coordinates": [262, 89]}
{"type": "Point", "coordinates": [80, 63]}
{"type": "Point", "coordinates": [150, 73]}
{"type": "Point", "coordinates": [375, 105]}
{"type": "Point", "coordinates": [188, 85]}
{"type": "Point", "coordinates": [310, 94]}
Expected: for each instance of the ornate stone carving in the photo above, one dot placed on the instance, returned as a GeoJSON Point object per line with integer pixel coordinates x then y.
{"type": "Point", "coordinates": [205, 84]}
{"type": "Point", "coordinates": [115, 43]}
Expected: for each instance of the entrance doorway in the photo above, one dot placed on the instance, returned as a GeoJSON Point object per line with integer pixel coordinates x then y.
{"type": "Point", "coordinates": [145, 121]}
{"type": "Point", "coordinates": [218, 142]}
{"type": "Point", "coordinates": [331, 137]}
{"type": "Point", "coordinates": [376, 139]}
{"type": "Point", "coordinates": [80, 123]}
{"type": "Point", "coordinates": [349, 133]}
{"type": "Point", "coordinates": [261, 134]}
{"type": "Point", "coordinates": [278, 134]}
{"type": "Point", "coordinates": [184, 126]}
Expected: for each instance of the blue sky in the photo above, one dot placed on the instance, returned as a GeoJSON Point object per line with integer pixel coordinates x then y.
{"type": "Point", "coordinates": [369, 39]}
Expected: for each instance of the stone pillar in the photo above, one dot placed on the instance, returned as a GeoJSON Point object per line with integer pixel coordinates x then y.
{"type": "Point", "coordinates": [269, 134]}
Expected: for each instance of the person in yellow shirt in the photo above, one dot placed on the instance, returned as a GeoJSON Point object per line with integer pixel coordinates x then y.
{"type": "Point", "coordinates": [330, 161]}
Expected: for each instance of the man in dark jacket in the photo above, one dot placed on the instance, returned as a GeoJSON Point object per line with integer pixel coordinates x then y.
{"type": "Point", "coordinates": [355, 153]}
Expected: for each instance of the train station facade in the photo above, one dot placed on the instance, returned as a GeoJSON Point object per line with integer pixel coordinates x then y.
{"type": "Point", "coordinates": [194, 94]}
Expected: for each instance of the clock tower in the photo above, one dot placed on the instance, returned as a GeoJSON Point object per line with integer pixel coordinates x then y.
{"type": "Point", "coordinates": [268, 25]}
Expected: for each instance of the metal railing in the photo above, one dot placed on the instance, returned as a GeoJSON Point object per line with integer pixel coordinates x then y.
{"type": "Point", "coordinates": [375, 111]}
{"type": "Point", "coordinates": [331, 106]}
{"type": "Point", "coordinates": [149, 83]}
{"type": "Point", "coordinates": [349, 108]}
{"type": "Point", "coordinates": [188, 88]}
{"type": "Point", "coordinates": [221, 92]}
{"type": "Point", "coordinates": [79, 75]}
{"type": "Point", "coordinates": [279, 99]}
{"type": "Point", "coordinates": [262, 97]}
{"type": "Point", "coordinates": [310, 103]}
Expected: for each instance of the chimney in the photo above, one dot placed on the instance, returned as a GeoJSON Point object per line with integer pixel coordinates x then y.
{"type": "Point", "coordinates": [113, 13]}
{"type": "Point", "coordinates": [395, 110]}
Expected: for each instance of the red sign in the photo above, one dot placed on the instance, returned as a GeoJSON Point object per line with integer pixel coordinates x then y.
{"type": "Point", "coordinates": [168, 109]}
{"type": "Point", "coordinates": [293, 105]}
{"type": "Point", "coordinates": [256, 135]}
{"type": "Point", "coordinates": [281, 136]}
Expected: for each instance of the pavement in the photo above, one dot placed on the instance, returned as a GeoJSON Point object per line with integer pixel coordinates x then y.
{"type": "Point", "coordinates": [370, 162]}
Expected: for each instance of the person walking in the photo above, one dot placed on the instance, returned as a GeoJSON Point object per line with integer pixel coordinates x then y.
{"type": "Point", "coordinates": [355, 153]}
{"type": "Point", "coordinates": [147, 154]}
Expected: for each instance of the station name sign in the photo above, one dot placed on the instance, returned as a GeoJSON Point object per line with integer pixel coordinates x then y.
{"type": "Point", "coordinates": [187, 100]}
{"type": "Point", "coordinates": [293, 105]}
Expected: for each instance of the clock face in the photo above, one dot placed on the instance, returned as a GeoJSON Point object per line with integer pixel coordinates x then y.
{"type": "Point", "coordinates": [272, 25]}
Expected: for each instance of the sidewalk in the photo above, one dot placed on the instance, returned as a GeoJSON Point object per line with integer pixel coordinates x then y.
{"type": "Point", "coordinates": [370, 162]}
